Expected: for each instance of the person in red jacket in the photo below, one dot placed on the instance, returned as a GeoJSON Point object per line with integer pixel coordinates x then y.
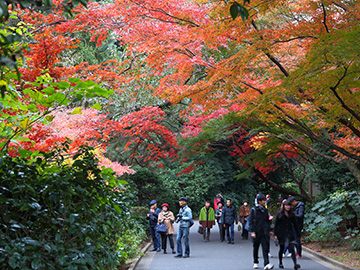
{"type": "Point", "coordinates": [218, 198]}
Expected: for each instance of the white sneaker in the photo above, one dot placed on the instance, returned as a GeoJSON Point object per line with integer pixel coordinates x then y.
{"type": "Point", "coordinates": [269, 266]}
{"type": "Point", "coordinates": [256, 266]}
{"type": "Point", "coordinates": [270, 256]}
{"type": "Point", "coordinates": [289, 255]}
{"type": "Point", "coordinates": [284, 255]}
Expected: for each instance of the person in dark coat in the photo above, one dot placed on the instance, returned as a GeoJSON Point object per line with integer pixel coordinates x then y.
{"type": "Point", "coordinates": [299, 211]}
{"type": "Point", "coordinates": [260, 230]}
{"type": "Point", "coordinates": [286, 232]}
{"type": "Point", "coordinates": [228, 218]}
{"type": "Point", "coordinates": [218, 215]}
{"type": "Point", "coordinates": [152, 216]}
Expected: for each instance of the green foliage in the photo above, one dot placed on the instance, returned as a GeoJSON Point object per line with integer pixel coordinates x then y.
{"type": "Point", "coordinates": [29, 103]}
{"type": "Point", "coordinates": [237, 9]}
{"type": "Point", "coordinates": [325, 236]}
{"type": "Point", "coordinates": [331, 176]}
{"type": "Point", "coordinates": [353, 235]}
{"type": "Point", "coordinates": [60, 216]}
{"type": "Point", "coordinates": [36, 4]}
{"type": "Point", "coordinates": [216, 174]}
{"type": "Point", "coordinates": [336, 213]}
{"type": "Point", "coordinates": [148, 186]}
{"type": "Point", "coordinates": [11, 35]}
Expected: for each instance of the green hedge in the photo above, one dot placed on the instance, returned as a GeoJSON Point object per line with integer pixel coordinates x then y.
{"type": "Point", "coordinates": [58, 216]}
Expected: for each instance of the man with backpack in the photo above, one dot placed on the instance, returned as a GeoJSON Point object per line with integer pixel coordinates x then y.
{"type": "Point", "coordinates": [260, 230]}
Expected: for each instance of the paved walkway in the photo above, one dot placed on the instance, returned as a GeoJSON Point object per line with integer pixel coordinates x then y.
{"type": "Point", "coordinates": [215, 255]}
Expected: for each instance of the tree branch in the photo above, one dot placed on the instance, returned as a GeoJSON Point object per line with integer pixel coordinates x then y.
{"type": "Point", "coordinates": [324, 21]}
{"type": "Point", "coordinates": [269, 55]}
{"type": "Point", "coordinates": [342, 102]}
{"type": "Point", "coordinates": [295, 38]}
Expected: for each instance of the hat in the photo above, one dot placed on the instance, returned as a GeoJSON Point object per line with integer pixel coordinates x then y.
{"type": "Point", "coordinates": [153, 202]}
{"type": "Point", "coordinates": [260, 197]}
{"type": "Point", "coordinates": [291, 199]}
{"type": "Point", "coordinates": [287, 202]}
{"type": "Point", "coordinates": [183, 199]}
{"type": "Point", "coordinates": [267, 196]}
{"type": "Point", "coordinates": [245, 200]}
{"type": "Point", "coordinates": [165, 204]}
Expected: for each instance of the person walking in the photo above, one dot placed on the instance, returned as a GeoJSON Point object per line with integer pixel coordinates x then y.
{"type": "Point", "coordinates": [207, 220]}
{"type": "Point", "coordinates": [299, 211]}
{"type": "Point", "coordinates": [260, 230]}
{"type": "Point", "coordinates": [228, 218]}
{"type": "Point", "coordinates": [285, 232]}
{"type": "Point", "coordinates": [184, 217]}
{"type": "Point", "coordinates": [244, 213]}
{"type": "Point", "coordinates": [153, 215]}
{"type": "Point", "coordinates": [218, 214]}
{"type": "Point", "coordinates": [167, 217]}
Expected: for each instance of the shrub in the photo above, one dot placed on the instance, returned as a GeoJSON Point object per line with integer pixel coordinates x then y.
{"type": "Point", "coordinates": [325, 236]}
{"type": "Point", "coordinates": [336, 213]}
{"type": "Point", "coordinates": [59, 216]}
{"type": "Point", "coordinates": [354, 237]}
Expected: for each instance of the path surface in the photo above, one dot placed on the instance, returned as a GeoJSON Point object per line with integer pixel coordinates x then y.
{"type": "Point", "coordinates": [215, 255]}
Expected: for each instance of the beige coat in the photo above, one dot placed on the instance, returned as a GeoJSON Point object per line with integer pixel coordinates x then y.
{"type": "Point", "coordinates": [168, 221]}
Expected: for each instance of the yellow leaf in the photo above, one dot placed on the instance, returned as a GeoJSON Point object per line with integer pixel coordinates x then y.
{"type": "Point", "coordinates": [24, 124]}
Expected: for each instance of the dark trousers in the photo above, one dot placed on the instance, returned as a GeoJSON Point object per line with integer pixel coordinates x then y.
{"type": "Point", "coordinates": [221, 231]}
{"type": "Point", "coordinates": [206, 234]}
{"type": "Point", "coordinates": [298, 246]}
{"type": "Point", "coordinates": [164, 238]}
{"type": "Point", "coordinates": [264, 240]}
{"type": "Point", "coordinates": [155, 237]}
{"type": "Point", "coordinates": [245, 233]}
{"type": "Point", "coordinates": [291, 250]}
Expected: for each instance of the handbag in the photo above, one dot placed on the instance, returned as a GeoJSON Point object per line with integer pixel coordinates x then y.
{"type": "Point", "coordinates": [161, 228]}
{"type": "Point", "coordinates": [240, 227]}
{"type": "Point", "coordinates": [201, 230]}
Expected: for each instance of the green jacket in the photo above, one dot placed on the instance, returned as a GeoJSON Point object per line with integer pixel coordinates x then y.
{"type": "Point", "coordinates": [207, 221]}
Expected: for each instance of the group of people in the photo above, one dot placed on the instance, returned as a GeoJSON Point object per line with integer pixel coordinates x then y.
{"type": "Point", "coordinates": [255, 221]}
{"type": "Point", "coordinates": [287, 230]}
{"type": "Point", "coordinates": [224, 214]}
{"type": "Point", "coordinates": [166, 217]}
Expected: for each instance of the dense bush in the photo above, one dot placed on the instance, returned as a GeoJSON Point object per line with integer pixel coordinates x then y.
{"type": "Point", "coordinates": [330, 218]}
{"type": "Point", "coordinates": [59, 216]}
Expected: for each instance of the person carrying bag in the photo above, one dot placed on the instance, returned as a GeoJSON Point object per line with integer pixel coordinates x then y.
{"type": "Point", "coordinates": [166, 219]}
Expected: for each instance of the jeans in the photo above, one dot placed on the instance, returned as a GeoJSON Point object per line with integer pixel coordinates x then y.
{"type": "Point", "coordinates": [264, 240]}
{"type": "Point", "coordinates": [183, 232]}
{"type": "Point", "coordinates": [155, 237]}
{"type": "Point", "coordinates": [164, 238]}
{"type": "Point", "coordinates": [231, 227]}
